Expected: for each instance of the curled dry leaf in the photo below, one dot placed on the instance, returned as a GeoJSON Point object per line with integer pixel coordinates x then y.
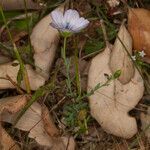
{"type": "Point", "coordinates": [145, 119]}
{"type": "Point", "coordinates": [43, 61]}
{"type": "Point", "coordinates": [18, 4]}
{"type": "Point", "coordinates": [139, 27]}
{"type": "Point", "coordinates": [33, 122]}
{"type": "Point", "coordinates": [12, 69]}
{"type": "Point", "coordinates": [49, 126]}
{"type": "Point", "coordinates": [59, 143]}
{"type": "Point", "coordinates": [110, 104]}
{"type": "Point", "coordinates": [44, 40]}
{"type": "Point", "coordinates": [12, 104]}
{"type": "Point", "coordinates": [119, 59]}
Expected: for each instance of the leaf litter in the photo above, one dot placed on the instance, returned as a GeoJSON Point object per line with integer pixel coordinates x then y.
{"type": "Point", "coordinates": [46, 126]}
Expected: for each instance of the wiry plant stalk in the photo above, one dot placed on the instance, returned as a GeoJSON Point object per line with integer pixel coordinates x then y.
{"type": "Point", "coordinates": [67, 66]}
{"type": "Point", "coordinates": [22, 67]}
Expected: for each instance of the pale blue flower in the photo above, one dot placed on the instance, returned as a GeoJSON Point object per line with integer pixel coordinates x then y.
{"type": "Point", "coordinates": [69, 22]}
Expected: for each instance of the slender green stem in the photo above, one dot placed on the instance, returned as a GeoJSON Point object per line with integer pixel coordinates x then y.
{"type": "Point", "coordinates": [64, 49]}
{"type": "Point", "coordinates": [67, 66]}
{"type": "Point", "coordinates": [77, 72]}
{"type": "Point", "coordinates": [91, 92]}
{"type": "Point", "coordinates": [5, 22]}
{"type": "Point", "coordinates": [22, 67]}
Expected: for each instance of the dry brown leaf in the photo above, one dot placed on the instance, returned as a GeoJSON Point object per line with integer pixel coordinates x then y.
{"type": "Point", "coordinates": [110, 104]}
{"type": "Point", "coordinates": [119, 59]}
{"type": "Point", "coordinates": [12, 69]}
{"type": "Point", "coordinates": [6, 142]}
{"type": "Point", "coordinates": [139, 27]}
{"type": "Point", "coordinates": [32, 122]}
{"type": "Point", "coordinates": [44, 60]}
{"type": "Point", "coordinates": [18, 4]}
{"type": "Point", "coordinates": [12, 104]}
{"type": "Point", "coordinates": [19, 35]}
{"type": "Point", "coordinates": [44, 40]}
{"type": "Point", "coordinates": [49, 125]}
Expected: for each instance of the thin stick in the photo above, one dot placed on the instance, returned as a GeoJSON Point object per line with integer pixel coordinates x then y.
{"type": "Point", "coordinates": [15, 84]}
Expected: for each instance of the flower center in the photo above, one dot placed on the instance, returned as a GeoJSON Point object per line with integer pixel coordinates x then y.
{"type": "Point", "coordinates": [67, 25]}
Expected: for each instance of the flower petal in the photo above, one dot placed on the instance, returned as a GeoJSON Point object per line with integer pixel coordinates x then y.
{"type": "Point", "coordinates": [80, 24]}
{"type": "Point", "coordinates": [57, 18]}
{"type": "Point", "coordinates": [69, 22]}
{"type": "Point", "coordinates": [71, 15]}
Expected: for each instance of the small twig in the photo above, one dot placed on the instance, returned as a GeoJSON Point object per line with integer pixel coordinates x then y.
{"type": "Point", "coordinates": [15, 84]}
{"type": "Point", "coordinates": [92, 54]}
{"type": "Point", "coordinates": [55, 106]}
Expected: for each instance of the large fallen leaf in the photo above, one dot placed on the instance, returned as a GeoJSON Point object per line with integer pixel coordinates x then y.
{"type": "Point", "coordinates": [119, 59]}
{"type": "Point", "coordinates": [49, 126]}
{"type": "Point", "coordinates": [32, 122]}
{"type": "Point", "coordinates": [139, 27]}
{"type": "Point", "coordinates": [110, 104]}
{"type": "Point", "coordinates": [43, 61]}
{"type": "Point", "coordinates": [12, 69]}
{"type": "Point", "coordinates": [12, 104]}
{"type": "Point", "coordinates": [44, 40]}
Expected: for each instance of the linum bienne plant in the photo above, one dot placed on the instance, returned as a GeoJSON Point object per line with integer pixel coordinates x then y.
{"type": "Point", "coordinates": [67, 24]}
{"type": "Point", "coordinates": [76, 113]}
